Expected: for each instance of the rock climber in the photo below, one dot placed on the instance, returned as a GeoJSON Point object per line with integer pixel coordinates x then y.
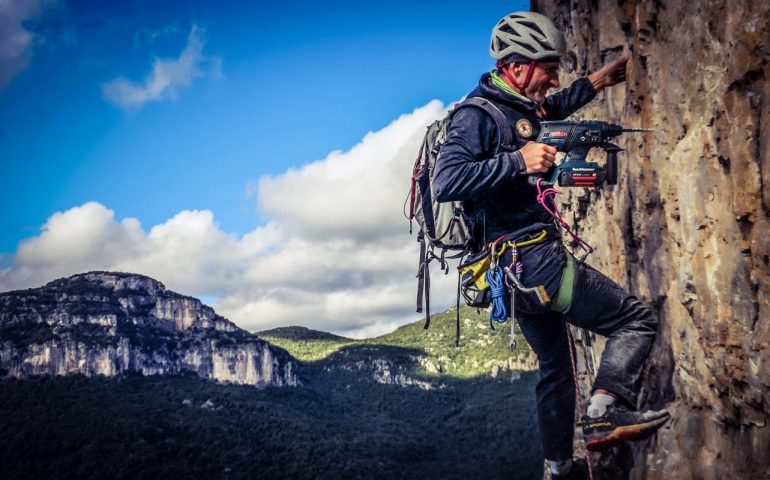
{"type": "Point", "coordinates": [500, 203]}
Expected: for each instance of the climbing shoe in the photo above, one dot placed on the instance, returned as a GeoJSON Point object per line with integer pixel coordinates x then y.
{"type": "Point", "coordinates": [619, 424]}
{"type": "Point", "coordinates": [579, 471]}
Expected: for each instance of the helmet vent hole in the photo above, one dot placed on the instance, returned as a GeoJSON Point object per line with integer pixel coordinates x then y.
{"type": "Point", "coordinates": [544, 45]}
{"type": "Point", "coordinates": [523, 45]}
{"type": "Point", "coordinates": [507, 29]}
{"type": "Point", "coordinates": [533, 26]}
{"type": "Point", "coordinates": [501, 45]}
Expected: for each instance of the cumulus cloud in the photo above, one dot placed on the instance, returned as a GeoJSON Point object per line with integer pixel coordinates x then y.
{"type": "Point", "coordinates": [344, 194]}
{"type": "Point", "coordinates": [167, 78]}
{"type": "Point", "coordinates": [16, 41]}
{"type": "Point", "coordinates": [335, 253]}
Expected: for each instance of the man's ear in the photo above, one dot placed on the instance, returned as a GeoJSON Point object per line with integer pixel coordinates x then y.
{"type": "Point", "coordinates": [515, 68]}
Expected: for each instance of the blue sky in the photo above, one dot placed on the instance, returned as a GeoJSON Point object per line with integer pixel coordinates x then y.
{"type": "Point", "coordinates": [295, 84]}
{"type": "Point", "coordinates": [152, 108]}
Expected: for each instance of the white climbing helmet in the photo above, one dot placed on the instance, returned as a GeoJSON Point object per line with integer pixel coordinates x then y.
{"type": "Point", "coordinates": [530, 35]}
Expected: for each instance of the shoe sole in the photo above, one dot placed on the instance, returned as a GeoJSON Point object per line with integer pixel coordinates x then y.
{"type": "Point", "coordinates": [626, 433]}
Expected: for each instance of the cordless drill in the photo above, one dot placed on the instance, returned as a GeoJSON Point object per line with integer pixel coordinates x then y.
{"type": "Point", "coordinates": [576, 139]}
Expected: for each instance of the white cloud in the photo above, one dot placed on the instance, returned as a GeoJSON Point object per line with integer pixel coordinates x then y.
{"type": "Point", "coordinates": [15, 40]}
{"type": "Point", "coordinates": [82, 238]}
{"type": "Point", "coordinates": [167, 78]}
{"type": "Point", "coordinates": [335, 254]}
{"type": "Point", "coordinates": [344, 195]}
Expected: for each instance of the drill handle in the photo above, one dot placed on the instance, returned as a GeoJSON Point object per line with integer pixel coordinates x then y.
{"type": "Point", "coordinates": [612, 162]}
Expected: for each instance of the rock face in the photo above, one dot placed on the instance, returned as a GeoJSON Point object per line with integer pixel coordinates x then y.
{"type": "Point", "coordinates": [102, 323]}
{"type": "Point", "coordinates": [687, 229]}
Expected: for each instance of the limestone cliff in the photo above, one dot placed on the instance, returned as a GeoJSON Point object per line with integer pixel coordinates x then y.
{"type": "Point", "coordinates": [102, 323]}
{"type": "Point", "coordinates": [687, 227]}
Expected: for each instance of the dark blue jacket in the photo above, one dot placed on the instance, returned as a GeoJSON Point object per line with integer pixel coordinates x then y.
{"type": "Point", "coordinates": [493, 187]}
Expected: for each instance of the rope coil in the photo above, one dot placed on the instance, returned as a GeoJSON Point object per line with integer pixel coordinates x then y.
{"type": "Point", "coordinates": [499, 311]}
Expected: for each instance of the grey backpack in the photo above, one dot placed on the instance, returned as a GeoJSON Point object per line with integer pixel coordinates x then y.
{"type": "Point", "coordinates": [443, 226]}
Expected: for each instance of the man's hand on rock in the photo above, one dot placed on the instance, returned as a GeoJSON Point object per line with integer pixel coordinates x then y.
{"type": "Point", "coordinates": [610, 74]}
{"type": "Point", "coordinates": [538, 157]}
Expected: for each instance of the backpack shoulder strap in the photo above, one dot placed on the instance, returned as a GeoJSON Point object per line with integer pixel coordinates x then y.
{"type": "Point", "coordinates": [503, 129]}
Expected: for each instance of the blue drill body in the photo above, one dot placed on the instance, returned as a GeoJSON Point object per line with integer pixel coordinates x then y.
{"type": "Point", "coordinates": [575, 139]}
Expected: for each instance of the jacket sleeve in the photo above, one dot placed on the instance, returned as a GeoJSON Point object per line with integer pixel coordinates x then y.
{"type": "Point", "coordinates": [564, 103]}
{"type": "Point", "coordinates": [465, 166]}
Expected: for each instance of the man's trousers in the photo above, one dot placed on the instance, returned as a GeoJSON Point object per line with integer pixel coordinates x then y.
{"type": "Point", "coordinates": [598, 305]}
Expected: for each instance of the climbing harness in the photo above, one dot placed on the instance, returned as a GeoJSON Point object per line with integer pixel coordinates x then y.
{"type": "Point", "coordinates": [473, 269]}
{"type": "Point", "coordinates": [484, 281]}
{"type": "Point", "coordinates": [482, 277]}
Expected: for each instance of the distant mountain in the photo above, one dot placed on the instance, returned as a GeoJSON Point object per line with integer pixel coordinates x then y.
{"type": "Point", "coordinates": [107, 323]}
{"type": "Point", "coordinates": [482, 351]}
{"type": "Point", "coordinates": [301, 334]}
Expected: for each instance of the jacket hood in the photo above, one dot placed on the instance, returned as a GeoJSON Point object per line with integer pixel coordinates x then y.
{"type": "Point", "coordinates": [489, 90]}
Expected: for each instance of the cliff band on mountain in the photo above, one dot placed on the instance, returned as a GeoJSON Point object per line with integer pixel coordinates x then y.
{"type": "Point", "coordinates": [102, 323]}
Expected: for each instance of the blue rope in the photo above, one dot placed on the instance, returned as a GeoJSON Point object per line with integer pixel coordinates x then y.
{"type": "Point", "coordinates": [499, 312]}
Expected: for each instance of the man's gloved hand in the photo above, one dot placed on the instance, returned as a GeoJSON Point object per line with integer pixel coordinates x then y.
{"type": "Point", "coordinates": [610, 74]}
{"type": "Point", "coordinates": [538, 157]}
